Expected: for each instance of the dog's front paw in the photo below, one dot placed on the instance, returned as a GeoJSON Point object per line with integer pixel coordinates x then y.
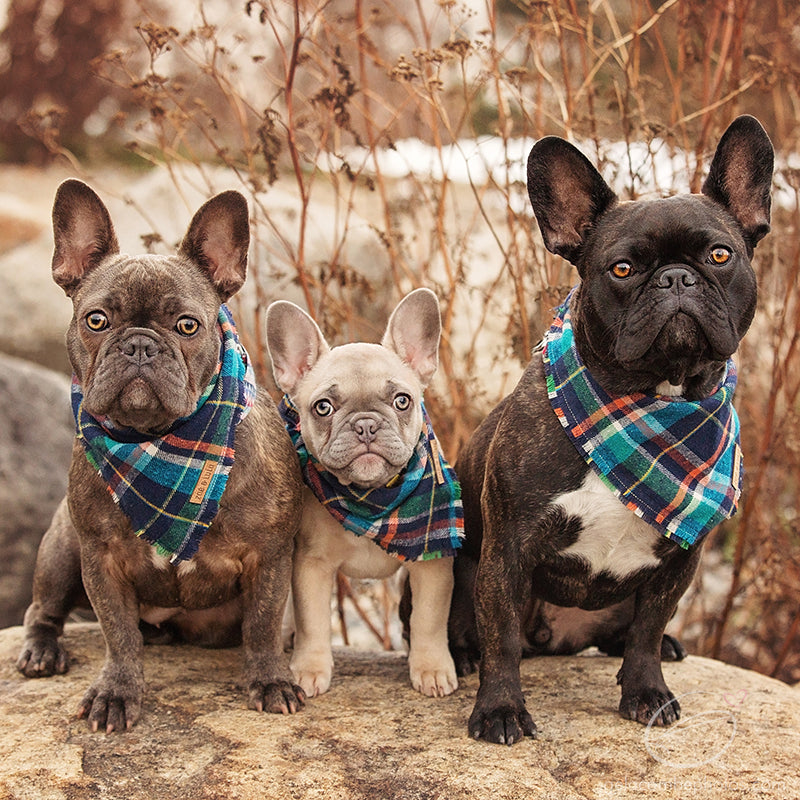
{"type": "Point", "coordinates": [277, 697]}
{"type": "Point", "coordinates": [433, 677]}
{"type": "Point", "coordinates": [503, 724]}
{"type": "Point", "coordinates": [42, 657]}
{"type": "Point", "coordinates": [312, 672]}
{"type": "Point", "coordinates": [650, 707]}
{"type": "Point", "coordinates": [112, 705]}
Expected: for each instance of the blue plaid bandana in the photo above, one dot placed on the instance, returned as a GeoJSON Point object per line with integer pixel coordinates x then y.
{"type": "Point", "coordinates": [417, 517]}
{"type": "Point", "coordinates": [676, 463]}
{"type": "Point", "coordinates": [169, 487]}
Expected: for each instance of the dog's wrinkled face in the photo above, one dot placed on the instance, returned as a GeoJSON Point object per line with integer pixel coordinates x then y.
{"type": "Point", "coordinates": [359, 404]}
{"type": "Point", "coordinates": [360, 413]}
{"type": "Point", "coordinates": [667, 290]}
{"type": "Point", "coordinates": [143, 340]}
{"type": "Point", "coordinates": [671, 281]}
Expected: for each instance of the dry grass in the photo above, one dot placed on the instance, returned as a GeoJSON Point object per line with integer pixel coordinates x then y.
{"type": "Point", "coordinates": [313, 96]}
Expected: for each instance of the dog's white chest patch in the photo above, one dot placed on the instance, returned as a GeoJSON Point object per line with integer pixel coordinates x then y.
{"type": "Point", "coordinates": [613, 539]}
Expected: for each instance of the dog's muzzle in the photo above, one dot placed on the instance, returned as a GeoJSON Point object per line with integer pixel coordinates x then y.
{"type": "Point", "coordinates": [139, 346]}
{"type": "Point", "coordinates": [676, 279]}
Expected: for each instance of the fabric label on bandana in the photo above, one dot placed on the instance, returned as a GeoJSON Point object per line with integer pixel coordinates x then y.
{"type": "Point", "coordinates": [170, 487]}
{"type": "Point", "coordinates": [676, 463]}
{"type": "Point", "coordinates": [417, 517]}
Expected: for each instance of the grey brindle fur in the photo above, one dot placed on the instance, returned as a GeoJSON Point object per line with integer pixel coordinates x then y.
{"type": "Point", "coordinates": [142, 372]}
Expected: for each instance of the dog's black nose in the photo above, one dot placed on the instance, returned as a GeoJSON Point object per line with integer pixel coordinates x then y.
{"type": "Point", "coordinates": [676, 279]}
{"type": "Point", "coordinates": [365, 428]}
{"type": "Point", "coordinates": [139, 348]}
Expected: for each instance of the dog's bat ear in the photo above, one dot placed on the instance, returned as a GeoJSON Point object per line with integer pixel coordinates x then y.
{"type": "Point", "coordinates": [567, 194]}
{"type": "Point", "coordinates": [740, 176]}
{"type": "Point", "coordinates": [413, 333]}
{"type": "Point", "coordinates": [295, 344]}
{"type": "Point", "coordinates": [218, 240]}
{"type": "Point", "coordinates": [82, 233]}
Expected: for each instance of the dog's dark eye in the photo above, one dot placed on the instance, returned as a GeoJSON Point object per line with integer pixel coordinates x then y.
{"type": "Point", "coordinates": [402, 402]}
{"type": "Point", "coordinates": [622, 269]}
{"type": "Point", "coordinates": [187, 326]}
{"type": "Point", "coordinates": [96, 321]}
{"type": "Point", "coordinates": [720, 255]}
{"type": "Point", "coordinates": [323, 408]}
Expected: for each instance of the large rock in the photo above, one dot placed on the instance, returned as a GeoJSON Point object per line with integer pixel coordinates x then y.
{"type": "Point", "coordinates": [373, 737]}
{"type": "Point", "coordinates": [36, 435]}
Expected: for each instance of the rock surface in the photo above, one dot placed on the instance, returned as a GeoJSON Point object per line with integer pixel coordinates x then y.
{"type": "Point", "coordinates": [36, 435]}
{"type": "Point", "coordinates": [373, 737]}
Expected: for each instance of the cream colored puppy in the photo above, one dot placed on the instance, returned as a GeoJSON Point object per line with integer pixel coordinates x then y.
{"type": "Point", "coordinates": [378, 491]}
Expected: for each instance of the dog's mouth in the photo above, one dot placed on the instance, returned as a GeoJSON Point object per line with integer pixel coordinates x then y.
{"type": "Point", "coordinates": [370, 470]}
{"type": "Point", "coordinates": [139, 406]}
{"type": "Point", "coordinates": [143, 402]}
{"type": "Point", "coordinates": [679, 348]}
{"type": "Point", "coordinates": [676, 335]}
{"type": "Point", "coordinates": [369, 463]}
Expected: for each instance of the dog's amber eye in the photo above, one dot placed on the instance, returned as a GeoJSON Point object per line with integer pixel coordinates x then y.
{"type": "Point", "coordinates": [187, 326]}
{"type": "Point", "coordinates": [622, 269]}
{"type": "Point", "coordinates": [402, 402]}
{"type": "Point", "coordinates": [323, 408]}
{"type": "Point", "coordinates": [96, 321]}
{"type": "Point", "coordinates": [720, 255]}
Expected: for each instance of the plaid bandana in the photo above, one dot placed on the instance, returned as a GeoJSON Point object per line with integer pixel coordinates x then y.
{"type": "Point", "coordinates": [417, 517]}
{"type": "Point", "coordinates": [170, 487]}
{"type": "Point", "coordinates": [676, 463]}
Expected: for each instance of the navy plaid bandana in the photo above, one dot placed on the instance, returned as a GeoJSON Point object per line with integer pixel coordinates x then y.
{"type": "Point", "coordinates": [169, 487]}
{"type": "Point", "coordinates": [676, 463]}
{"type": "Point", "coordinates": [418, 516]}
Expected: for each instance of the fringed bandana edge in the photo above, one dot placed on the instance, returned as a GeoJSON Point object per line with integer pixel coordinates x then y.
{"type": "Point", "coordinates": [676, 463]}
{"type": "Point", "coordinates": [169, 487]}
{"type": "Point", "coordinates": [417, 517]}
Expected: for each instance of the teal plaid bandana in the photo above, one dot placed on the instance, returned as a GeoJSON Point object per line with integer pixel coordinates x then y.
{"type": "Point", "coordinates": [675, 463]}
{"type": "Point", "coordinates": [417, 517]}
{"type": "Point", "coordinates": [170, 487]}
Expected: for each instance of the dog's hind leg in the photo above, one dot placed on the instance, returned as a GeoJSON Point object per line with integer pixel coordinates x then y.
{"type": "Point", "coordinates": [57, 589]}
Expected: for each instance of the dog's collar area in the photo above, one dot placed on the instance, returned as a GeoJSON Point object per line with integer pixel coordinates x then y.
{"type": "Point", "coordinates": [417, 516]}
{"type": "Point", "coordinates": [674, 462]}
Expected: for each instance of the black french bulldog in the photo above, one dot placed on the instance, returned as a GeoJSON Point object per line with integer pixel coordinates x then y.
{"type": "Point", "coordinates": [557, 562]}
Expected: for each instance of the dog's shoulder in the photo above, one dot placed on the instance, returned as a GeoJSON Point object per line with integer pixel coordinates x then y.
{"type": "Point", "coordinates": [265, 455]}
{"type": "Point", "coordinates": [528, 437]}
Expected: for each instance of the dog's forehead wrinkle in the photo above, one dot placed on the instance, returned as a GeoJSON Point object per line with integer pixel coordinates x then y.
{"type": "Point", "coordinates": [361, 371]}
{"type": "Point", "coordinates": [143, 278]}
{"type": "Point", "coordinates": [652, 240]}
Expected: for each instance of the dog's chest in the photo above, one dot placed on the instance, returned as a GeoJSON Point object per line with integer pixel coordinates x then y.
{"type": "Point", "coordinates": [321, 537]}
{"type": "Point", "coordinates": [612, 540]}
